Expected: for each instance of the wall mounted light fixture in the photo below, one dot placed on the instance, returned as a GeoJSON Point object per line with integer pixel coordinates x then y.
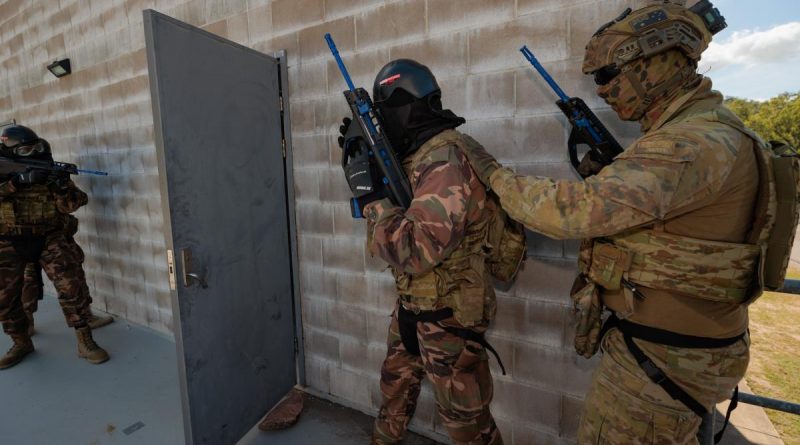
{"type": "Point", "coordinates": [60, 68]}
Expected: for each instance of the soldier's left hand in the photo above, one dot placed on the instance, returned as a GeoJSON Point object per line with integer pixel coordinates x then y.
{"type": "Point", "coordinates": [58, 183]}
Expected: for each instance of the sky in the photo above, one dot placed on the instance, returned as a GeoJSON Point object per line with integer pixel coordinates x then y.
{"type": "Point", "coordinates": [758, 55]}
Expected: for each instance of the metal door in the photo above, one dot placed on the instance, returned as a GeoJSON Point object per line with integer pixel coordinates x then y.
{"type": "Point", "coordinates": [218, 128]}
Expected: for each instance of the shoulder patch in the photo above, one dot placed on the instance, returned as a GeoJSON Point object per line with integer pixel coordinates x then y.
{"type": "Point", "coordinates": [675, 149]}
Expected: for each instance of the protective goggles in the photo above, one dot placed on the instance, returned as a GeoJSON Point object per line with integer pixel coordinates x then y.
{"type": "Point", "coordinates": [606, 74]}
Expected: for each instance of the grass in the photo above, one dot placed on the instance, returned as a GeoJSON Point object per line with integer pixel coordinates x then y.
{"type": "Point", "coordinates": [775, 356]}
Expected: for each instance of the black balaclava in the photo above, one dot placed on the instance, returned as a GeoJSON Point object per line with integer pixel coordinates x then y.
{"type": "Point", "coordinates": [409, 122]}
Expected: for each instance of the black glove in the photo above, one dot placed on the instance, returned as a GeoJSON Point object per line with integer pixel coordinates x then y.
{"type": "Point", "coordinates": [343, 130]}
{"type": "Point", "coordinates": [58, 182]}
{"type": "Point", "coordinates": [359, 167]}
{"type": "Point", "coordinates": [589, 166]}
{"type": "Point", "coordinates": [348, 132]}
{"type": "Point", "coordinates": [32, 176]}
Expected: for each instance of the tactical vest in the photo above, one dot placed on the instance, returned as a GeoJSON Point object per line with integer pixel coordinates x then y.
{"type": "Point", "coordinates": [462, 280]}
{"type": "Point", "coordinates": [31, 209]}
{"type": "Point", "coordinates": [735, 273]}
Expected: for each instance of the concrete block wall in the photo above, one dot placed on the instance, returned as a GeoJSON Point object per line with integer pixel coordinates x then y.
{"type": "Point", "coordinates": [100, 117]}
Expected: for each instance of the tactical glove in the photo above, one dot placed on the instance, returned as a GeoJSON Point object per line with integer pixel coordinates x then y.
{"type": "Point", "coordinates": [481, 161]}
{"type": "Point", "coordinates": [589, 166]}
{"type": "Point", "coordinates": [33, 176]}
{"type": "Point", "coordinates": [58, 182]}
{"type": "Point", "coordinates": [343, 129]}
{"type": "Point", "coordinates": [359, 168]}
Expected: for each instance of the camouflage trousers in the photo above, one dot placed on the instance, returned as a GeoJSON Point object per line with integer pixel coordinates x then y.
{"type": "Point", "coordinates": [462, 385]}
{"type": "Point", "coordinates": [58, 260]}
{"type": "Point", "coordinates": [33, 286]}
{"type": "Point", "coordinates": [624, 407]}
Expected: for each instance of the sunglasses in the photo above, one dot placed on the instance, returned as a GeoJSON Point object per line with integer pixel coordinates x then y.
{"type": "Point", "coordinates": [606, 74]}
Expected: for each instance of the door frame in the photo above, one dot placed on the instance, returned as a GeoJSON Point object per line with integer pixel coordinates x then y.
{"type": "Point", "coordinates": [288, 168]}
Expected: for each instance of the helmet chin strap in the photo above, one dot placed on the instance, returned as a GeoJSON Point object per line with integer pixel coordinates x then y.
{"type": "Point", "coordinates": [649, 97]}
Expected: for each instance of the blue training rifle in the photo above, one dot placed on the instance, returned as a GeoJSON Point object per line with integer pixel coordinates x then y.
{"type": "Point", "coordinates": [586, 127]}
{"type": "Point", "coordinates": [381, 155]}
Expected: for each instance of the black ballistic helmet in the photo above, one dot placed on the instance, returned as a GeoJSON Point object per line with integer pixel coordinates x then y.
{"type": "Point", "coordinates": [408, 75]}
{"type": "Point", "coordinates": [15, 135]}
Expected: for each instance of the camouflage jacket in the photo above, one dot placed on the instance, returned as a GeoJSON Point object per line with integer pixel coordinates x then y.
{"type": "Point", "coordinates": [38, 205]}
{"type": "Point", "coordinates": [672, 192]}
{"type": "Point", "coordinates": [677, 163]}
{"type": "Point", "coordinates": [435, 247]}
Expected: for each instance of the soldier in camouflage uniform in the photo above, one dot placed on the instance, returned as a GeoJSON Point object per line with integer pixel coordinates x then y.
{"type": "Point", "coordinates": [32, 205]}
{"type": "Point", "coordinates": [674, 227]}
{"type": "Point", "coordinates": [33, 286]}
{"type": "Point", "coordinates": [436, 252]}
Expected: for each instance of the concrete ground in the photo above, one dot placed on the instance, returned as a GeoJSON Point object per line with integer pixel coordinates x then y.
{"type": "Point", "coordinates": [59, 399]}
{"type": "Point", "coordinates": [749, 424]}
{"type": "Point", "coordinates": [325, 423]}
{"type": "Point", "coordinates": [133, 399]}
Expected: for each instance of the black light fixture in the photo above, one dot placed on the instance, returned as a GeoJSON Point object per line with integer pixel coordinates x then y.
{"type": "Point", "coordinates": [60, 68]}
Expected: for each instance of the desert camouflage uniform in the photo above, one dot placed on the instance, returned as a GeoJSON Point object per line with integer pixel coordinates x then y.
{"type": "Point", "coordinates": [678, 181]}
{"type": "Point", "coordinates": [40, 241]}
{"type": "Point", "coordinates": [434, 241]}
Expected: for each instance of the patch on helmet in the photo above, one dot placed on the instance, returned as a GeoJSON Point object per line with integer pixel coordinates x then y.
{"type": "Point", "coordinates": [389, 80]}
{"type": "Point", "coordinates": [650, 19]}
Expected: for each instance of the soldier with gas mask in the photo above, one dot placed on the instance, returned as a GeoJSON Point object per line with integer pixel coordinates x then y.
{"type": "Point", "coordinates": [435, 249]}
{"type": "Point", "coordinates": [674, 232]}
{"type": "Point", "coordinates": [33, 205]}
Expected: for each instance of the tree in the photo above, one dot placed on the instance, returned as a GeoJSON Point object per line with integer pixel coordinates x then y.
{"type": "Point", "coordinates": [775, 119]}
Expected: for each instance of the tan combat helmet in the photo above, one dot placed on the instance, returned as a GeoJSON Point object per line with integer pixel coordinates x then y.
{"type": "Point", "coordinates": [653, 30]}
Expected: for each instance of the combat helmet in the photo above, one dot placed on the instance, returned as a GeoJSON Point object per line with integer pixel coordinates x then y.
{"type": "Point", "coordinates": [407, 75]}
{"type": "Point", "coordinates": [22, 141]}
{"type": "Point", "coordinates": [14, 135]}
{"type": "Point", "coordinates": [649, 31]}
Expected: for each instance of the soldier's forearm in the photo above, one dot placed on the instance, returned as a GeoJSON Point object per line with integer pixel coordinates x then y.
{"type": "Point", "coordinates": [562, 209]}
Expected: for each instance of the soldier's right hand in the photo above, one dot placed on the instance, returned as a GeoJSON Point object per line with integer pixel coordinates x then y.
{"type": "Point", "coordinates": [343, 130]}
{"type": "Point", "coordinates": [34, 176]}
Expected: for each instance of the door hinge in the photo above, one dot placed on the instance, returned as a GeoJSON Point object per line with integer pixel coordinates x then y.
{"type": "Point", "coordinates": [283, 147]}
{"type": "Point", "coordinates": [280, 102]}
{"type": "Point", "coordinates": [296, 346]}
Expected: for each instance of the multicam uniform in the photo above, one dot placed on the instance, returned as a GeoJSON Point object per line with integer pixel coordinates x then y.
{"type": "Point", "coordinates": [436, 251]}
{"type": "Point", "coordinates": [672, 219]}
{"type": "Point", "coordinates": [31, 216]}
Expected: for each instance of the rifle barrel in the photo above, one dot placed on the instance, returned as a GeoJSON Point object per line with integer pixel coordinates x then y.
{"type": "Point", "coordinates": [93, 172]}
{"type": "Point", "coordinates": [339, 62]}
{"type": "Point", "coordinates": [532, 59]}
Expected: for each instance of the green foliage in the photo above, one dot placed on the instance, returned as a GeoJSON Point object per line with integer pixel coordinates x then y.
{"type": "Point", "coordinates": [775, 119]}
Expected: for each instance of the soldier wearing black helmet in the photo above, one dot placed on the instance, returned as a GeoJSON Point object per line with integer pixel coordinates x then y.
{"type": "Point", "coordinates": [436, 250]}
{"type": "Point", "coordinates": [33, 206]}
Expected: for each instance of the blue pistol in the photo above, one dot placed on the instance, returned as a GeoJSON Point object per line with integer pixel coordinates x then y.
{"type": "Point", "coordinates": [372, 158]}
{"type": "Point", "coordinates": [586, 127]}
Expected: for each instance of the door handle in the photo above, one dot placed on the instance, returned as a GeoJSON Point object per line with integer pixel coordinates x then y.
{"type": "Point", "coordinates": [190, 277]}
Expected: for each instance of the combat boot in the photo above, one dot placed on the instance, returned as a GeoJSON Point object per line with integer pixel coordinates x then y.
{"type": "Point", "coordinates": [98, 321]}
{"type": "Point", "coordinates": [87, 348]}
{"type": "Point", "coordinates": [22, 346]}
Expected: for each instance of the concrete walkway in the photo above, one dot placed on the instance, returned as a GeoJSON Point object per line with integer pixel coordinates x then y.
{"type": "Point", "coordinates": [749, 424]}
{"type": "Point", "coordinates": [55, 398]}
{"type": "Point", "coordinates": [325, 423]}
